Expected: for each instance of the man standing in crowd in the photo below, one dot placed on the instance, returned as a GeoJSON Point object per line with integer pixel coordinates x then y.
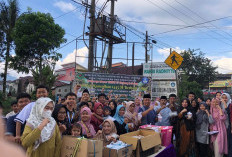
{"type": "Point", "coordinates": [23, 100]}
{"type": "Point", "coordinates": [14, 108]}
{"type": "Point", "coordinates": [102, 98]}
{"type": "Point", "coordinates": [71, 103]}
{"type": "Point", "coordinates": [84, 98]}
{"type": "Point", "coordinates": [147, 111]}
{"type": "Point", "coordinates": [164, 113]}
{"type": "Point", "coordinates": [191, 96]}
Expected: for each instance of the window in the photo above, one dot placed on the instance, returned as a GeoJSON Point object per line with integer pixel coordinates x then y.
{"type": "Point", "coordinates": [70, 73]}
{"type": "Point", "coordinates": [59, 90]}
{"type": "Point", "coordinates": [65, 90]}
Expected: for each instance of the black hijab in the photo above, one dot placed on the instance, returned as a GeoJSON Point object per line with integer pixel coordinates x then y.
{"type": "Point", "coordinates": [190, 124]}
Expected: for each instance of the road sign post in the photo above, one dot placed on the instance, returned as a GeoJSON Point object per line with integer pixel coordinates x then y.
{"type": "Point", "coordinates": [174, 60]}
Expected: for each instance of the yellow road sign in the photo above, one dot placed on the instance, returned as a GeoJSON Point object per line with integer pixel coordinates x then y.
{"type": "Point", "coordinates": [174, 60]}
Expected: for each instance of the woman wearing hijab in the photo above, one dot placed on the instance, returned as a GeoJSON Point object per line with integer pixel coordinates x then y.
{"type": "Point", "coordinates": [97, 117]}
{"type": "Point", "coordinates": [195, 105]}
{"type": "Point", "coordinates": [59, 114]}
{"type": "Point", "coordinates": [203, 119]}
{"type": "Point", "coordinates": [121, 126]}
{"type": "Point", "coordinates": [108, 133]}
{"type": "Point", "coordinates": [131, 116]}
{"type": "Point", "coordinates": [87, 128]}
{"type": "Point", "coordinates": [227, 102]}
{"type": "Point", "coordinates": [219, 140]}
{"type": "Point", "coordinates": [41, 136]}
{"type": "Point", "coordinates": [113, 106]}
{"type": "Point", "coordinates": [186, 130]}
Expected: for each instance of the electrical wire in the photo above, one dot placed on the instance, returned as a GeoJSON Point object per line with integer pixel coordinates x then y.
{"type": "Point", "coordinates": [200, 16]}
{"type": "Point", "coordinates": [197, 22]}
{"type": "Point", "coordinates": [182, 21]}
{"type": "Point", "coordinates": [66, 13]}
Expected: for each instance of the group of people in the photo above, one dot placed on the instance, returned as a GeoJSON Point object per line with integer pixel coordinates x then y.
{"type": "Point", "coordinates": [39, 126]}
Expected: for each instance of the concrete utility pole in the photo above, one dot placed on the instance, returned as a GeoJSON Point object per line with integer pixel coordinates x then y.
{"type": "Point", "coordinates": [146, 45]}
{"type": "Point", "coordinates": [91, 36]}
{"type": "Point", "coordinates": [110, 49]}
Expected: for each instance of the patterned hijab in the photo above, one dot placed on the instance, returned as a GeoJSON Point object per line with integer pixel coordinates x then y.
{"type": "Point", "coordinates": [129, 114]}
{"type": "Point", "coordinates": [36, 118]}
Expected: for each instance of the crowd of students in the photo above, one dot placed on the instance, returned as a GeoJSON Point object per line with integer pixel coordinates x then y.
{"type": "Point", "coordinates": [39, 126]}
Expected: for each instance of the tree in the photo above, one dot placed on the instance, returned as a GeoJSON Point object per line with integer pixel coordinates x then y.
{"type": "Point", "coordinates": [36, 36]}
{"type": "Point", "coordinates": [8, 16]}
{"type": "Point", "coordinates": [46, 77]}
{"type": "Point", "coordinates": [185, 87]}
{"type": "Point", "coordinates": [198, 68]}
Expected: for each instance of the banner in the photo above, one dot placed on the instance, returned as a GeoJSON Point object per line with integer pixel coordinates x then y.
{"type": "Point", "coordinates": [223, 83]}
{"type": "Point", "coordinates": [127, 85]}
{"type": "Point", "coordinates": [158, 71]}
{"type": "Point", "coordinates": [163, 88]}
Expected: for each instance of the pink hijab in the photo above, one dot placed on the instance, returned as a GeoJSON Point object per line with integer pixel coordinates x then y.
{"type": "Point", "coordinates": [219, 125]}
{"type": "Point", "coordinates": [86, 126]}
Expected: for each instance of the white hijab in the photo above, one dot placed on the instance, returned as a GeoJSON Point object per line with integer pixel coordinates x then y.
{"type": "Point", "coordinates": [36, 118]}
{"type": "Point", "coordinates": [228, 98]}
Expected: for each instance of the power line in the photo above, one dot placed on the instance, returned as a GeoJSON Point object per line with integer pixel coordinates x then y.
{"type": "Point", "coordinates": [182, 21]}
{"type": "Point", "coordinates": [65, 13]}
{"type": "Point", "coordinates": [161, 24]}
{"type": "Point", "coordinates": [197, 22]}
{"type": "Point", "coordinates": [192, 25]}
{"type": "Point", "coordinates": [200, 16]}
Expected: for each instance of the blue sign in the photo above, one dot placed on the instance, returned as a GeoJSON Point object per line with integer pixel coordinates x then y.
{"type": "Point", "coordinates": [173, 84]}
{"type": "Point", "coordinates": [145, 80]}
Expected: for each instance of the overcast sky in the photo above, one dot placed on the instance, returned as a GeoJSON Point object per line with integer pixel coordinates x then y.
{"type": "Point", "coordinates": [167, 22]}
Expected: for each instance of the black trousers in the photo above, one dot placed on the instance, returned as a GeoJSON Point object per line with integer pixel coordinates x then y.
{"type": "Point", "coordinates": [203, 150]}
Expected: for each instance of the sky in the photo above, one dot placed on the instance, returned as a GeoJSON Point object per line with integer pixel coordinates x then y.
{"type": "Point", "coordinates": [178, 24]}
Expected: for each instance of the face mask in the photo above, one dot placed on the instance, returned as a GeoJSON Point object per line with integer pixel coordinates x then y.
{"type": "Point", "coordinates": [47, 114]}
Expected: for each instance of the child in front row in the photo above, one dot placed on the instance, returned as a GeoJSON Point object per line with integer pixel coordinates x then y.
{"type": "Point", "coordinates": [76, 130]}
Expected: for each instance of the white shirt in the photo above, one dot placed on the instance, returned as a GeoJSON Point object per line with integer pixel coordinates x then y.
{"type": "Point", "coordinates": [25, 113]}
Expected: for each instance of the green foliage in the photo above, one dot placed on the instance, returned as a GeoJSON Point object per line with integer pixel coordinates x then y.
{"type": "Point", "coordinates": [36, 36]}
{"type": "Point", "coordinates": [186, 86]}
{"type": "Point", "coordinates": [45, 77]}
{"type": "Point", "coordinates": [198, 68]}
{"type": "Point", "coordinates": [6, 103]}
{"type": "Point", "coordinates": [8, 16]}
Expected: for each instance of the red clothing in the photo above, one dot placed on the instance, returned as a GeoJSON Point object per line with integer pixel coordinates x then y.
{"type": "Point", "coordinates": [96, 122]}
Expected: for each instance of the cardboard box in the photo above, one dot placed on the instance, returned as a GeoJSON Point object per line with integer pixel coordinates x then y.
{"type": "Point", "coordinates": [124, 152]}
{"type": "Point", "coordinates": [90, 148]}
{"type": "Point", "coordinates": [145, 145]}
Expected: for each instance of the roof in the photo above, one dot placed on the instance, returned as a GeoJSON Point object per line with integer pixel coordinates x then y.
{"type": "Point", "coordinates": [60, 83]}
{"type": "Point", "coordinates": [72, 64]}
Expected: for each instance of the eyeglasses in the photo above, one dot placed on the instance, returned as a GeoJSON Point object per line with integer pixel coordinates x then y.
{"type": "Point", "coordinates": [62, 113]}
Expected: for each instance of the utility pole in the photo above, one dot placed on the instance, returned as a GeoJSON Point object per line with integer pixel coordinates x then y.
{"type": "Point", "coordinates": [146, 46]}
{"type": "Point", "coordinates": [110, 49]}
{"type": "Point", "coordinates": [133, 59]}
{"type": "Point", "coordinates": [91, 36]}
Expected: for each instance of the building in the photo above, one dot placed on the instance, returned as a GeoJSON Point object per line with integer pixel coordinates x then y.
{"type": "Point", "coordinates": [67, 72]}
{"type": "Point", "coordinates": [61, 88]}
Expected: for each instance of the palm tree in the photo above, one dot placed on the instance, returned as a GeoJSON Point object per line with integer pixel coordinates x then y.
{"type": "Point", "coordinates": [8, 16]}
